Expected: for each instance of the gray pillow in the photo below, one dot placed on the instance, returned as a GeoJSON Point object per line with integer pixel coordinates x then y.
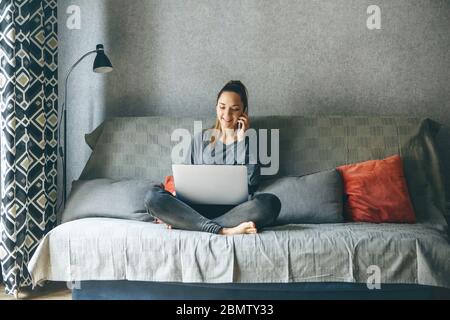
{"type": "Point", "coordinates": [121, 199]}
{"type": "Point", "coordinates": [315, 198]}
{"type": "Point", "coordinates": [92, 138]}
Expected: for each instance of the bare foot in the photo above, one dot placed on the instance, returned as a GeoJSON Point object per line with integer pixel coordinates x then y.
{"type": "Point", "coordinates": [158, 221]}
{"type": "Point", "coordinates": [243, 228]}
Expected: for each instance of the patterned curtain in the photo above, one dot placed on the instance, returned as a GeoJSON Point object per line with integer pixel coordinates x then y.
{"type": "Point", "coordinates": [29, 122]}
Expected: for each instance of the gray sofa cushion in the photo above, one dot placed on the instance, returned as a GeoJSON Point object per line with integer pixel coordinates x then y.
{"type": "Point", "coordinates": [315, 198]}
{"type": "Point", "coordinates": [92, 138]}
{"type": "Point", "coordinates": [140, 148]}
{"type": "Point", "coordinates": [121, 199]}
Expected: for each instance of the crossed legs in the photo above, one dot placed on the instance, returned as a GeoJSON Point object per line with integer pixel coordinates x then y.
{"type": "Point", "coordinates": [260, 211]}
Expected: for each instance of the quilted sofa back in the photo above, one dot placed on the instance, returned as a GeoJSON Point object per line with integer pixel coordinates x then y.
{"type": "Point", "coordinates": [140, 147]}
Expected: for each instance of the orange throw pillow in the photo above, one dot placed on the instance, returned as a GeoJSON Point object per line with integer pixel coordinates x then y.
{"type": "Point", "coordinates": [169, 184]}
{"type": "Point", "coordinates": [377, 191]}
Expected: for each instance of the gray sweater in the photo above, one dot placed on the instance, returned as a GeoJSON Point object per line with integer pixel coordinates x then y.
{"type": "Point", "coordinates": [203, 152]}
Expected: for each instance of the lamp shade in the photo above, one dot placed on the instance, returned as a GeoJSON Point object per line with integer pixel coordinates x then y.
{"type": "Point", "coordinates": [101, 62]}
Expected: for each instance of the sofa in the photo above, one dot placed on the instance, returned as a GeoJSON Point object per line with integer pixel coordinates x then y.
{"type": "Point", "coordinates": [109, 258]}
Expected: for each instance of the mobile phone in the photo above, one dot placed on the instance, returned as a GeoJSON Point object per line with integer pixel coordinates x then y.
{"type": "Point", "coordinates": [239, 125]}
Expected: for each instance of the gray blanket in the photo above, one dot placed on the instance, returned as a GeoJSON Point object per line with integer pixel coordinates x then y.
{"type": "Point", "coordinates": [113, 249]}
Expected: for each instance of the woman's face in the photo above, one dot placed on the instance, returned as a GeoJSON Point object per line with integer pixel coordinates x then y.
{"type": "Point", "coordinates": [229, 109]}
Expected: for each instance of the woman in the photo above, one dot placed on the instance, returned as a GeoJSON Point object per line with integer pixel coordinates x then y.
{"type": "Point", "coordinates": [260, 211]}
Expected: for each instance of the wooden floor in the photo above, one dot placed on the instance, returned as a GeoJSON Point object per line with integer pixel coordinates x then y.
{"type": "Point", "coordinates": [51, 291]}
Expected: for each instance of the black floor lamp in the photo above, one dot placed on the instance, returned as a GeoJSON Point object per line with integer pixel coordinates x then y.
{"type": "Point", "coordinates": [101, 65]}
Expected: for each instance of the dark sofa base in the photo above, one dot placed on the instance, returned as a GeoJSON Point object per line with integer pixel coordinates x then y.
{"type": "Point", "coordinates": [134, 290]}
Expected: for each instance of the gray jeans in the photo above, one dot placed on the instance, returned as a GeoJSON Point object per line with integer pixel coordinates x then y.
{"type": "Point", "coordinates": [262, 209]}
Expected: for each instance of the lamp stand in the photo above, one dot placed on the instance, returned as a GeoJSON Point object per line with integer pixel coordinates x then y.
{"type": "Point", "coordinates": [63, 151]}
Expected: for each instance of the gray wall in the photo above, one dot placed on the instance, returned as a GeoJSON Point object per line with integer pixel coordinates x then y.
{"type": "Point", "coordinates": [298, 57]}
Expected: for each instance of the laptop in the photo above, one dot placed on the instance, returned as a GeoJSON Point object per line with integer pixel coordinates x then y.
{"type": "Point", "coordinates": [211, 184]}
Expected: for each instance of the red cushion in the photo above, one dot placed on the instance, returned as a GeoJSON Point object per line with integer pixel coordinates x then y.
{"type": "Point", "coordinates": [377, 192]}
{"type": "Point", "coordinates": [169, 184]}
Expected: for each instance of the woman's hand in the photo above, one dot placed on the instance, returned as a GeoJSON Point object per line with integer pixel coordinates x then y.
{"type": "Point", "coordinates": [244, 121]}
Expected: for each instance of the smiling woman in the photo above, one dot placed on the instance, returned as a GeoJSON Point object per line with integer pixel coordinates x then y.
{"type": "Point", "coordinates": [246, 218]}
{"type": "Point", "coordinates": [232, 112]}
